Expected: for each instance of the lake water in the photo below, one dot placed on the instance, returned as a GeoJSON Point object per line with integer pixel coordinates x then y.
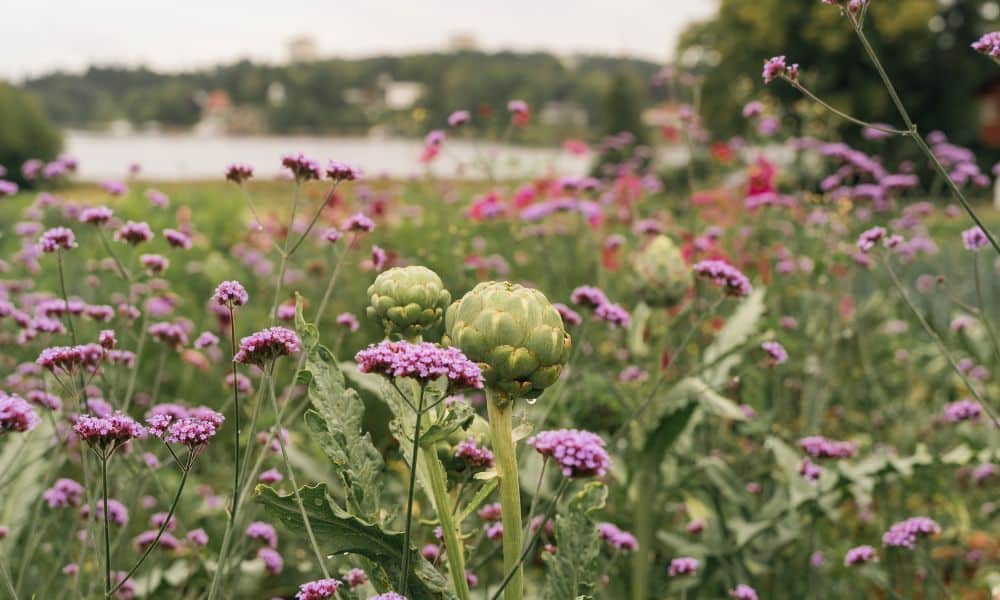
{"type": "Point", "coordinates": [190, 156]}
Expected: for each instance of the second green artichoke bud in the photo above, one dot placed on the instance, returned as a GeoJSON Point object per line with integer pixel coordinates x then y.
{"type": "Point", "coordinates": [407, 300]}
{"type": "Point", "coordinates": [662, 275]}
{"type": "Point", "coordinates": [514, 334]}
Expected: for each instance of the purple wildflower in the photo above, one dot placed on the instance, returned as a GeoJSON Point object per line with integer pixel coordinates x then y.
{"type": "Point", "coordinates": [963, 410]}
{"type": "Point", "coordinates": [423, 361]}
{"type": "Point", "coordinates": [273, 563]}
{"type": "Point", "coordinates": [197, 537]}
{"type": "Point", "coordinates": [332, 235]}
{"type": "Point", "coordinates": [569, 316]}
{"type": "Point", "coordinates": [724, 275]}
{"type": "Point", "coordinates": [458, 118]}
{"type": "Point", "coordinates": [264, 532]}
{"type": "Point", "coordinates": [355, 577]}
{"type": "Point", "coordinates": [302, 167]}
{"type": "Point", "coordinates": [906, 533]}
{"type": "Point", "coordinates": [743, 592]}
{"type": "Point", "coordinates": [478, 457]}
{"type": "Point", "coordinates": [117, 513]}
{"type": "Point", "coordinates": [267, 345]}
{"type": "Point", "coordinates": [810, 471]}
{"type": "Point", "coordinates": [684, 565]}
{"type": "Point", "coordinates": [588, 296]}
{"type": "Point", "coordinates": [69, 358]}
{"type": "Point", "coordinates": [358, 223]}
{"type": "Point", "coordinates": [177, 239]}
{"type": "Point", "coordinates": [348, 321]}
{"type": "Point", "coordinates": [7, 188]}
{"type": "Point", "coordinates": [230, 294]}
{"type": "Point", "coordinates": [988, 45]}
{"type": "Point", "coordinates": [615, 314]}
{"type": "Point", "coordinates": [776, 66]}
{"type": "Point", "coordinates": [338, 171]}
{"type": "Point", "coordinates": [154, 263]}
{"type": "Point", "coordinates": [171, 334]}
{"type": "Point", "coordinates": [193, 428]}
{"type": "Point", "coordinates": [134, 233]}
{"type": "Point", "coordinates": [578, 453]}
{"type": "Point", "coordinates": [65, 492]}
{"type": "Point", "coordinates": [776, 353]}
{"type": "Point", "coordinates": [238, 173]}
{"type": "Point", "coordinates": [271, 476]}
{"type": "Point", "coordinates": [97, 215]}
{"type": "Point", "coordinates": [859, 556]}
{"type": "Point", "coordinates": [870, 237]}
{"type": "Point", "coordinates": [616, 538]}
{"type": "Point", "coordinates": [821, 447]}
{"type": "Point", "coordinates": [108, 432]}
{"type": "Point", "coordinates": [57, 238]}
{"type": "Point", "coordinates": [974, 238]}
{"type": "Point", "coordinates": [16, 414]}
{"type": "Point", "coordinates": [318, 590]}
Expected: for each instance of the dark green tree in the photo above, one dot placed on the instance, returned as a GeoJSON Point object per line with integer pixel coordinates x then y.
{"type": "Point", "coordinates": [25, 132]}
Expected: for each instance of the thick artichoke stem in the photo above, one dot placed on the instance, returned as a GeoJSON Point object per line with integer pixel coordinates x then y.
{"type": "Point", "coordinates": [644, 528]}
{"type": "Point", "coordinates": [454, 548]}
{"type": "Point", "coordinates": [499, 410]}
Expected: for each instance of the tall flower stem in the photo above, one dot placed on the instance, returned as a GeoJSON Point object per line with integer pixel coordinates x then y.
{"type": "Point", "coordinates": [644, 531]}
{"type": "Point", "coordinates": [937, 340]}
{"type": "Point", "coordinates": [533, 539]}
{"type": "Point", "coordinates": [107, 526]}
{"type": "Point", "coordinates": [139, 349]}
{"type": "Point", "coordinates": [291, 478]}
{"type": "Point", "coordinates": [122, 271]}
{"type": "Point", "coordinates": [405, 572]}
{"type": "Point", "coordinates": [236, 412]}
{"type": "Point", "coordinates": [185, 470]}
{"type": "Point", "coordinates": [453, 546]}
{"type": "Point", "coordinates": [982, 306]}
{"type": "Point", "coordinates": [65, 296]}
{"type": "Point", "coordinates": [499, 411]}
{"type": "Point", "coordinates": [6, 579]}
{"type": "Point", "coordinates": [857, 23]}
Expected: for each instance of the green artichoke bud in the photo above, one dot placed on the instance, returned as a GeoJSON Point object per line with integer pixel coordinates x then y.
{"type": "Point", "coordinates": [662, 276]}
{"type": "Point", "coordinates": [407, 300]}
{"type": "Point", "coordinates": [514, 334]}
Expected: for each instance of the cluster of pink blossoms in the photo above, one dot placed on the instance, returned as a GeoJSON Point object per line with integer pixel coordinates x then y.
{"type": "Point", "coordinates": [70, 358]}
{"type": "Point", "coordinates": [592, 297]}
{"type": "Point", "coordinates": [424, 361]}
{"type": "Point", "coordinates": [821, 447]}
{"type": "Point", "coordinates": [578, 453]}
{"type": "Point", "coordinates": [478, 457]}
{"type": "Point", "coordinates": [16, 414]}
{"type": "Point", "coordinates": [191, 427]}
{"type": "Point", "coordinates": [616, 538]}
{"type": "Point", "coordinates": [65, 492]}
{"type": "Point", "coordinates": [776, 66]}
{"type": "Point", "coordinates": [319, 589]}
{"type": "Point", "coordinates": [906, 533]}
{"type": "Point", "coordinates": [724, 275]}
{"type": "Point", "coordinates": [230, 294]}
{"type": "Point", "coordinates": [134, 233]}
{"type": "Point", "coordinates": [57, 238]}
{"type": "Point", "coordinates": [267, 345]}
{"type": "Point", "coordinates": [302, 167]}
{"type": "Point", "coordinates": [859, 556]}
{"type": "Point", "coordinates": [111, 431]}
{"type": "Point", "coordinates": [684, 565]}
{"type": "Point", "coordinates": [963, 410]}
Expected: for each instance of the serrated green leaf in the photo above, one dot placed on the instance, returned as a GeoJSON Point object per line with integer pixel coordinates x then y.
{"type": "Point", "coordinates": [477, 500]}
{"type": "Point", "coordinates": [446, 422]}
{"type": "Point", "coordinates": [737, 330]}
{"type": "Point", "coordinates": [572, 570]}
{"type": "Point", "coordinates": [336, 425]}
{"type": "Point", "coordinates": [637, 345]}
{"type": "Point", "coordinates": [338, 532]}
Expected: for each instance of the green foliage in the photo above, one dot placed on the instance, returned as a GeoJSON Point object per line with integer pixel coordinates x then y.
{"type": "Point", "coordinates": [917, 39]}
{"type": "Point", "coordinates": [25, 131]}
{"type": "Point", "coordinates": [336, 425]}
{"type": "Point", "coordinates": [573, 569]}
{"type": "Point", "coordinates": [339, 532]}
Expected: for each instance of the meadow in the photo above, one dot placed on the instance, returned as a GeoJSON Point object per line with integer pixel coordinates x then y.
{"type": "Point", "coordinates": [746, 379]}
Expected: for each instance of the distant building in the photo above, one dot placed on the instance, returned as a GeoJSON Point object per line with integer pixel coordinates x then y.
{"type": "Point", "coordinates": [401, 95]}
{"type": "Point", "coordinates": [276, 93]}
{"type": "Point", "coordinates": [220, 117]}
{"type": "Point", "coordinates": [460, 42]}
{"type": "Point", "coordinates": [302, 49]}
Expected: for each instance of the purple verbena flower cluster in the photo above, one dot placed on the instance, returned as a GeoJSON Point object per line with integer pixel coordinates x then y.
{"type": "Point", "coordinates": [423, 361]}
{"type": "Point", "coordinates": [616, 538]}
{"type": "Point", "coordinates": [906, 533]}
{"type": "Point", "coordinates": [318, 590]}
{"type": "Point", "coordinates": [16, 414]}
{"type": "Point", "coordinates": [478, 456]}
{"type": "Point", "coordinates": [724, 275]}
{"type": "Point", "coordinates": [267, 345]}
{"type": "Point", "coordinates": [821, 447]}
{"type": "Point", "coordinates": [578, 453]}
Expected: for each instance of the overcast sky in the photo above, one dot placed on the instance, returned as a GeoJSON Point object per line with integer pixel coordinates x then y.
{"type": "Point", "coordinates": [42, 35]}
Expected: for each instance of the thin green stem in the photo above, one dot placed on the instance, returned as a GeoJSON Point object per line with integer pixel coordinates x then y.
{"type": "Point", "coordinates": [499, 411]}
{"type": "Point", "coordinates": [6, 580]}
{"type": "Point", "coordinates": [454, 548]}
{"type": "Point", "coordinates": [158, 378]}
{"type": "Point", "coordinates": [982, 306]}
{"type": "Point", "coordinates": [534, 538]}
{"type": "Point", "coordinates": [166, 523]}
{"type": "Point", "coordinates": [405, 572]}
{"type": "Point", "coordinates": [937, 340]}
{"type": "Point", "coordinates": [236, 412]}
{"type": "Point", "coordinates": [312, 222]}
{"type": "Point", "coordinates": [795, 83]}
{"type": "Point", "coordinates": [139, 350]}
{"type": "Point", "coordinates": [107, 526]}
{"type": "Point", "coordinates": [65, 296]}
{"type": "Point", "coordinates": [122, 272]}
{"type": "Point", "coordinates": [534, 498]}
{"type": "Point", "coordinates": [291, 478]}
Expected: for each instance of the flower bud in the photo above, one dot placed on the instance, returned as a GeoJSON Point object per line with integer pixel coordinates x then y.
{"type": "Point", "coordinates": [514, 334]}
{"type": "Point", "coordinates": [661, 274]}
{"type": "Point", "coordinates": [408, 300]}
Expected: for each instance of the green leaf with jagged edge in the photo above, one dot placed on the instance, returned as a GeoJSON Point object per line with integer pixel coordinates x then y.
{"type": "Point", "coordinates": [336, 424]}
{"type": "Point", "coordinates": [573, 568]}
{"type": "Point", "coordinates": [723, 351]}
{"type": "Point", "coordinates": [338, 532]}
{"type": "Point", "coordinates": [668, 416]}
